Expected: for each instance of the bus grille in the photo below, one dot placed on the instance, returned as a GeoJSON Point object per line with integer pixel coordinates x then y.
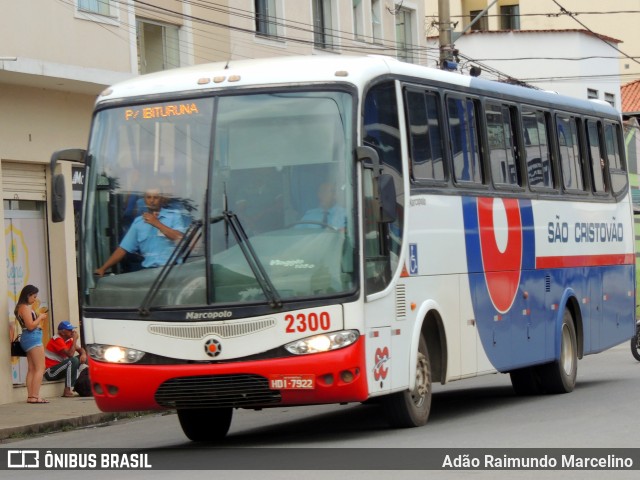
{"type": "Point", "coordinates": [223, 330]}
{"type": "Point", "coordinates": [241, 390]}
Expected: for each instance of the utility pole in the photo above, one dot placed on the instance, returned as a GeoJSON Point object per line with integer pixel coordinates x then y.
{"type": "Point", "coordinates": [446, 46]}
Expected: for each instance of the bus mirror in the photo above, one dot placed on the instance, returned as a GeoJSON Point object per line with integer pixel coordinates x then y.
{"type": "Point", "coordinates": [369, 158]}
{"type": "Point", "coordinates": [387, 195]}
{"type": "Point", "coordinates": [58, 198]}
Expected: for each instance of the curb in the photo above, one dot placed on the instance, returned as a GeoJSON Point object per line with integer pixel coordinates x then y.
{"type": "Point", "coordinates": [11, 433]}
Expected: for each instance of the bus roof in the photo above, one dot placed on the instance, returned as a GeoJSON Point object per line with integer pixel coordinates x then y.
{"type": "Point", "coordinates": [357, 70]}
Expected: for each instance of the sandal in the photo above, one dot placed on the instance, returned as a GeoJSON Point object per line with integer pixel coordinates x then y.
{"type": "Point", "coordinates": [38, 400]}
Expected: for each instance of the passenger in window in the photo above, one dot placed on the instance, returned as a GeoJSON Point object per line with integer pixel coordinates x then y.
{"type": "Point", "coordinates": [602, 170]}
{"type": "Point", "coordinates": [153, 234]}
{"type": "Point", "coordinates": [328, 213]}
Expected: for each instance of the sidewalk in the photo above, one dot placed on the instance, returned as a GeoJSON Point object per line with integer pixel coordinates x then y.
{"type": "Point", "coordinates": [20, 419]}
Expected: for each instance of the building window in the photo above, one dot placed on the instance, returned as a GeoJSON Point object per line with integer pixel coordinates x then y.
{"type": "Point", "coordinates": [510, 17]}
{"type": "Point", "coordinates": [322, 25]}
{"type": "Point", "coordinates": [610, 98]}
{"type": "Point", "coordinates": [404, 34]}
{"type": "Point", "coordinates": [158, 46]}
{"type": "Point", "coordinates": [483, 22]}
{"type": "Point", "coordinates": [266, 18]}
{"type": "Point", "coordinates": [358, 18]}
{"type": "Point", "coordinates": [101, 7]}
{"type": "Point", "coordinates": [592, 94]}
{"type": "Point", "coordinates": [376, 22]}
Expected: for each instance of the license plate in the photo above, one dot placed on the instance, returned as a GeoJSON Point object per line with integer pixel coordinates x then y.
{"type": "Point", "coordinates": [292, 382]}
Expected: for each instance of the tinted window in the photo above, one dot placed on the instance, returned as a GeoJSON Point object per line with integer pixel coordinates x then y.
{"type": "Point", "coordinates": [596, 157]}
{"type": "Point", "coordinates": [464, 139]}
{"type": "Point", "coordinates": [569, 149]}
{"type": "Point", "coordinates": [425, 135]}
{"type": "Point", "coordinates": [617, 168]}
{"type": "Point", "coordinates": [504, 168]}
{"type": "Point", "coordinates": [535, 126]}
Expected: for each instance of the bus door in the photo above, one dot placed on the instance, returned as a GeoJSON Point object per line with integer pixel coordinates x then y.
{"type": "Point", "coordinates": [386, 330]}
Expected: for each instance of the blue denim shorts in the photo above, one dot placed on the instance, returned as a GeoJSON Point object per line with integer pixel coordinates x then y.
{"type": "Point", "coordinates": [31, 339]}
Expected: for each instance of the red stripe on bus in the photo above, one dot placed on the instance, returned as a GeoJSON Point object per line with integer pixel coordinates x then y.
{"type": "Point", "coordinates": [585, 260]}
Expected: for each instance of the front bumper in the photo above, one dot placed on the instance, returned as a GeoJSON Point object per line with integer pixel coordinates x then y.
{"type": "Point", "coordinates": [339, 376]}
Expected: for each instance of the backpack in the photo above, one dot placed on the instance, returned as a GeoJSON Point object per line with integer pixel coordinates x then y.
{"type": "Point", "coordinates": [83, 384]}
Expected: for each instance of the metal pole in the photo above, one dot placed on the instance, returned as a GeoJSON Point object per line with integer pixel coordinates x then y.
{"type": "Point", "coordinates": [446, 46]}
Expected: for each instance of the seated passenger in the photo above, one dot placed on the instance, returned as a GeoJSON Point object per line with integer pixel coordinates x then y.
{"type": "Point", "coordinates": [328, 213]}
{"type": "Point", "coordinates": [152, 234]}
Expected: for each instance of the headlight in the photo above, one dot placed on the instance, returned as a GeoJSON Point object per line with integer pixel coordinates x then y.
{"type": "Point", "coordinates": [323, 343]}
{"type": "Point", "coordinates": [114, 354]}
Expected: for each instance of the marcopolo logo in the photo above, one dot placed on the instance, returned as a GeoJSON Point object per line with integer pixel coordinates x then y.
{"type": "Point", "coordinates": [208, 315]}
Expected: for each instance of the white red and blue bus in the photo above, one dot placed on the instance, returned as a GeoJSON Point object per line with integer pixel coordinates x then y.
{"type": "Point", "coordinates": [486, 227]}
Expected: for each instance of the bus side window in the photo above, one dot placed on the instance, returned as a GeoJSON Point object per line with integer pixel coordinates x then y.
{"type": "Point", "coordinates": [535, 130]}
{"type": "Point", "coordinates": [463, 132]}
{"type": "Point", "coordinates": [502, 154]}
{"type": "Point", "coordinates": [570, 156]}
{"type": "Point", "coordinates": [596, 158]}
{"type": "Point", "coordinates": [617, 169]}
{"type": "Point", "coordinates": [425, 135]}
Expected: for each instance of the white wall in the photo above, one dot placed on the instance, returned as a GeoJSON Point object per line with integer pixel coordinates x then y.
{"type": "Point", "coordinates": [546, 73]}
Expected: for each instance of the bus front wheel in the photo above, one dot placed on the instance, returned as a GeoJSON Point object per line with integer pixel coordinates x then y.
{"type": "Point", "coordinates": [205, 424]}
{"type": "Point", "coordinates": [411, 408]}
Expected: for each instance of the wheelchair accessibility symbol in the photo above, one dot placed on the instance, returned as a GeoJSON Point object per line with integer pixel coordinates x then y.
{"type": "Point", "coordinates": [413, 259]}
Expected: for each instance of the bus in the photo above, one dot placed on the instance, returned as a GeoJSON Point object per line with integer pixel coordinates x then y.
{"type": "Point", "coordinates": [483, 227]}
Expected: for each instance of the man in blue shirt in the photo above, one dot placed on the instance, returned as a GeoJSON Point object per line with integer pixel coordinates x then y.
{"type": "Point", "coordinates": [153, 234]}
{"type": "Point", "coordinates": [328, 213]}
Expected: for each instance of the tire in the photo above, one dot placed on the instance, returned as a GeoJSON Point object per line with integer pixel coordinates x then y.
{"type": "Point", "coordinates": [560, 375]}
{"type": "Point", "coordinates": [410, 409]}
{"type": "Point", "coordinates": [205, 424]}
{"type": "Point", "coordinates": [635, 344]}
{"type": "Point", "coordinates": [526, 381]}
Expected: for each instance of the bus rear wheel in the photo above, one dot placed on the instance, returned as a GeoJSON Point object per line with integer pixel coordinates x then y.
{"type": "Point", "coordinates": [635, 344]}
{"type": "Point", "coordinates": [205, 424]}
{"type": "Point", "coordinates": [411, 408]}
{"type": "Point", "coordinates": [560, 376]}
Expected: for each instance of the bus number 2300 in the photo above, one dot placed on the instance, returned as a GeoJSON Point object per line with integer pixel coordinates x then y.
{"type": "Point", "coordinates": [302, 322]}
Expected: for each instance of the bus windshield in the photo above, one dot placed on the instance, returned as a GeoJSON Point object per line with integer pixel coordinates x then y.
{"type": "Point", "coordinates": [244, 199]}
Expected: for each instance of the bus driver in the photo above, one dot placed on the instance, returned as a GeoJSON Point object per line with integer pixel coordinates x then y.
{"type": "Point", "coordinates": [152, 234]}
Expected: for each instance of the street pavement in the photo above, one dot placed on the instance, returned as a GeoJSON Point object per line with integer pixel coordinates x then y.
{"type": "Point", "coordinates": [18, 420]}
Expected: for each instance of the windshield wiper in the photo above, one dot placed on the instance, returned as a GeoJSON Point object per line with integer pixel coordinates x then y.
{"type": "Point", "coordinates": [269, 290]}
{"type": "Point", "coordinates": [186, 245]}
{"type": "Point", "coordinates": [183, 249]}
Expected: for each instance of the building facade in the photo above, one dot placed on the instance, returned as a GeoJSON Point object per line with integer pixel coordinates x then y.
{"type": "Point", "coordinates": [56, 56]}
{"type": "Point", "coordinates": [606, 20]}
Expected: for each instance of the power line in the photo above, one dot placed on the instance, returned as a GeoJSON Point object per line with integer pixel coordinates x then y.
{"type": "Point", "coordinates": [563, 10]}
{"type": "Point", "coordinates": [550, 14]}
